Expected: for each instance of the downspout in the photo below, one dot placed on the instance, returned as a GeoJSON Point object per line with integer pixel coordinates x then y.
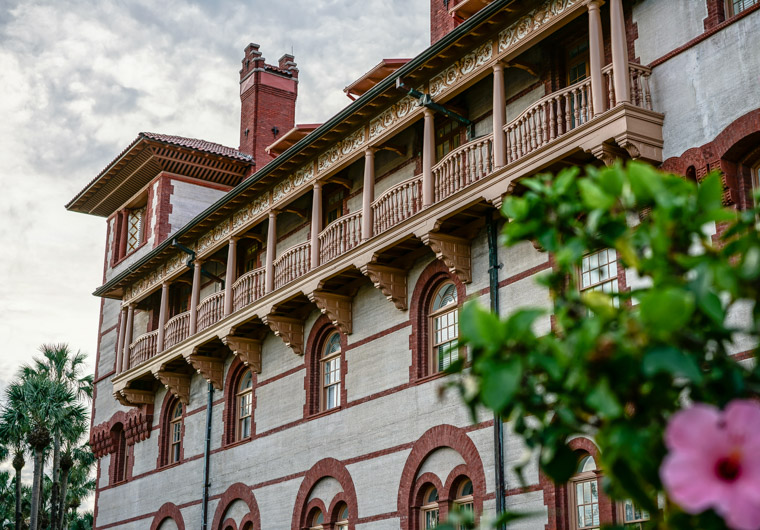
{"type": "Point", "coordinates": [191, 259]}
{"type": "Point", "coordinates": [498, 425]}
{"type": "Point", "coordinates": [206, 454]}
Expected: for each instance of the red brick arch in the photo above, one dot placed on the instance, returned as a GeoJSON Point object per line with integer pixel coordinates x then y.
{"type": "Point", "coordinates": [235, 372]}
{"type": "Point", "coordinates": [321, 329]}
{"type": "Point", "coordinates": [328, 467]}
{"type": "Point", "coordinates": [164, 437]}
{"type": "Point", "coordinates": [436, 438]}
{"type": "Point", "coordinates": [237, 491]}
{"type": "Point", "coordinates": [168, 511]}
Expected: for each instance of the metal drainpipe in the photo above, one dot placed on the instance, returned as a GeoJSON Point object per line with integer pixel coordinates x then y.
{"type": "Point", "coordinates": [498, 425]}
{"type": "Point", "coordinates": [206, 454]}
{"type": "Point", "coordinates": [191, 259]}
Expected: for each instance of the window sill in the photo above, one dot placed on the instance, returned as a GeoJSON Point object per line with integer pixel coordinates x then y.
{"type": "Point", "coordinates": [322, 413]}
{"type": "Point", "coordinates": [242, 441]}
{"type": "Point", "coordinates": [173, 464]}
{"type": "Point", "coordinates": [120, 260]}
{"type": "Point", "coordinates": [428, 378]}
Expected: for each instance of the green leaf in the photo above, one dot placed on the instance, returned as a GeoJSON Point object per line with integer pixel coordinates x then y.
{"type": "Point", "coordinates": [611, 180]}
{"type": "Point", "coordinates": [594, 197]}
{"type": "Point", "coordinates": [500, 382]}
{"type": "Point", "coordinates": [710, 194]}
{"type": "Point", "coordinates": [643, 179]}
{"type": "Point", "coordinates": [515, 208]}
{"type": "Point", "coordinates": [670, 360]}
{"type": "Point", "coordinates": [602, 399]}
{"type": "Point", "coordinates": [710, 305]}
{"type": "Point", "coordinates": [559, 462]}
{"type": "Point", "coordinates": [600, 303]}
{"type": "Point", "coordinates": [519, 325]}
{"type": "Point", "coordinates": [750, 264]}
{"type": "Point", "coordinates": [667, 309]}
{"type": "Point", "coordinates": [480, 328]}
{"type": "Point", "coordinates": [565, 179]}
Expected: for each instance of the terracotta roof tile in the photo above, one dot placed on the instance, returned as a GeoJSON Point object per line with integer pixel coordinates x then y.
{"type": "Point", "coordinates": [201, 145]}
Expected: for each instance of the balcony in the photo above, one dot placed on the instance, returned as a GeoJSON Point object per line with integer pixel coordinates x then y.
{"type": "Point", "coordinates": [551, 128]}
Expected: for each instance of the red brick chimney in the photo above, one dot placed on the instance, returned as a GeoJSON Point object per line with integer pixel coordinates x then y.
{"type": "Point", "coordinates": [441, 22]}
{"type": "Point", "coordinates": [268, 102]}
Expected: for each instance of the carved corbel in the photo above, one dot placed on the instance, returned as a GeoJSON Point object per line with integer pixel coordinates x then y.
{"type": "Point", "coordinates": [138, 397]}
{"type": "Point", "coordinates": [337, 307]}
{"type": "Point", "coordinates": [177, 383]}
{"type": "Point", "coordinates": [210, 368]}
{"type": "Point", "coordinates": [118, 396]}
{"type": "Point", "coordinates": [290, 330]}
{"type": "Point", "coordinates": [390, 280]}
{"type": "Point", "coordinates": [453, 251]}
{"type": "Point", "coordinates": [249, 350]}
{"type": "Point", "coordinates": [606, 153]}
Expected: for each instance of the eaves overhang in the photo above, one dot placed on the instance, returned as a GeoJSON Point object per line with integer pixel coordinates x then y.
{"type": "Point", "coordinates": [110, 288]}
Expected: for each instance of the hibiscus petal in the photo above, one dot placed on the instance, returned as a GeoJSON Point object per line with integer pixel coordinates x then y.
{"type": "Point", "coordinates": [694, 429]}
{"type": "Point", "coordinates": [739, 511]}
{"type": "Point", "coordinates": [742, 419]}
{"type": "Point", "coordinates": [691, 481]}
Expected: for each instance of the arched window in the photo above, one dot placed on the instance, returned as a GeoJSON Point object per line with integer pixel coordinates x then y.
{"type": "Point", "coordinates": [317, 519]}
{"type": "Point", "coordinates": [584, 495]}
{"type": "Point", "coordinates": [330, 370]}
{"type": "Point", "coordinates": [342, 522]}
{"type": "Point", "coordinates": [444, 324]}
{"type": "Point", "coordinates": [175, 428]}
{"type": "Point", "coordinates": [464, 501]}
{"type": "Point", "coordinates": [429, 509]}
{"type": "Point", "coordinates": [119, 458]}
{"type": "Point", "coordinates": [244, 406]}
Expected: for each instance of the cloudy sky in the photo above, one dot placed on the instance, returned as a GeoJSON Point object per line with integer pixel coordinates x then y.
{"type": "Point", "coordinates": [79, 80]}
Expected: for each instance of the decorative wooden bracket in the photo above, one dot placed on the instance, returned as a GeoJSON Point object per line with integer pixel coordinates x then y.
{"type": "Point", "coordinates": [177, 383]}
{"type": "Point", "coordinates": [138, 397]}
{"type": "Point", "coordinates": [390, 280]}
{"type": "Point", "coordinates": [337, 307]}
{"type": "Point", "coordinates": [341, 181]}
{"type": "Point", "coordinates": [300, 212]}
{"type": "Point", "coordinates": [290, 330]}
{"type": "Point", "coordinates": [121, 399]}
{"type": "Point", "coordinates": [211, 368]}
{"type": "Point", "coordinates": [249, 350]}
{"type": "Point", "coordinates": [453, 251]}
{"type": "Point", "coordinates": [606, 153]}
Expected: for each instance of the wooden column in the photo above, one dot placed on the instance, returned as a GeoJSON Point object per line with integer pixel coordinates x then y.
{"type": "Point", "coordinates": [127, 337]}
{"type": "Point", "coordinates": [194, 296]}
{"type": "Point", "coordinates": [229, 277]}
{"type": "Point", "coordinates": [316, 223]}
{"type": "Point", "coordinates": [163, 310]}
{"type": "Point", "coordinates": [428, 159]}
{"type": "Point", "coordinates": [271, 249]}
{"type": "Point", "coordinates": [619, 52]}
{"type": "Point", "coordinates": [596, 49]}
{"type": "Point", "coordinates": [368, 192]}
{"type": "Point", "coordinates": [499, 116]}
{"type": "Point", "coordinates": [124, 219]}
{"type": "Point", "coordinates": [120, 341]}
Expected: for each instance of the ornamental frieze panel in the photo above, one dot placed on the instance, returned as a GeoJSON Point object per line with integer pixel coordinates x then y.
{"type": "Point", "coordinates": [386, 119]}
{"type": "Point", "coordinates": [341, 150]}
{"type": "Point", "coordinates": [293, 182]}
{"type": "Point", "coordinates": [251, 210]}
{"type": "Point", "coordinates": [535, 20]}
{"type": "Point", "coordinates": [219, 233]}
{"type": "Point", "coordinates": [461, 69]}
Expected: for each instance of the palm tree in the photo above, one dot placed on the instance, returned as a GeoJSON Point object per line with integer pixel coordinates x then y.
{"type": "Point", "coordinates": [46, 404]}
{"type": "Point", "coordinates": [60, 364]}
{"type": "Point", "coordinates": [6, 494]}
{"type": "Point", "coordinates": [13, 429]}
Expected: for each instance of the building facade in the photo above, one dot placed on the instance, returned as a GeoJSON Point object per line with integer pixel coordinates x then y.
{"type": "Point", "coordinates": [276, 318]}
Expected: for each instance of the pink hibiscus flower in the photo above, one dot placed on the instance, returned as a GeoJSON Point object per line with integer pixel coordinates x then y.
{"type": "Point", "coordinates": [714, 461]}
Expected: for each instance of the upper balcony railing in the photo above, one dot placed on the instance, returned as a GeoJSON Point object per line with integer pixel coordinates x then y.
{"type": "Point", "coordinates": [397, 204]}
{"type": "Point", "coordinates": [550, 118]}
{"type": "Point", "coordinates": [463, 166]}
{"type": "Point", "coordinates": [210, 310]}
{"type": "Point", "coordinates": [292, 264]}
{"type": "Point", "coordinates": [248, 288]}
{"type": "Point", "coordinates": [340, 236]}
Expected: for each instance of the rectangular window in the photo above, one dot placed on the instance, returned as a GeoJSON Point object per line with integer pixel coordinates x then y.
{"type": "Point", "coordinates": [176, 440]}
{"type": "Point", "coordinates": [737, 6]}
{"type": "Point", "coordinates": [447, 138]}
{"type": "Point", "coordinates": [587, 504]}
{"type": "Point", "coordinates": [599, 272]}
{"type": "Point", "coordinates": [633, 516]}
{"type": "Point", "coordinates": [431, 518]}
{"type": "Point", "coordinates": [332, 383]}
{"type": "Point", "coordinates": [245, 415]}
{"type": "Point", "coordinates": [135, 228]}
{"type": "Point", "coordinates": [446, 329]}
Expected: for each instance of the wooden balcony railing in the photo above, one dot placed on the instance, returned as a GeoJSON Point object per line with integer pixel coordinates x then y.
{"type": "Point", "coordinates": [340, 236]}
{"type": "Point", "coordinates": [143, 348]}
{"type": "Point", "coordinates": [248, 288]}
{"type": "Point", "coordinates": [177, 329]}
{"type": "Point", "coordinates": [641, 96]}
{"type": "Point", "coordinates": [397, 204]}
{"type": "Point", "coordinates": [210, 310]}
{"type": "Point", "coordinates": [464, 165]}
{"type": "Point", "coordinates": [548, 118]}
{"type": "Point", "coordinates": [292, 264]}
